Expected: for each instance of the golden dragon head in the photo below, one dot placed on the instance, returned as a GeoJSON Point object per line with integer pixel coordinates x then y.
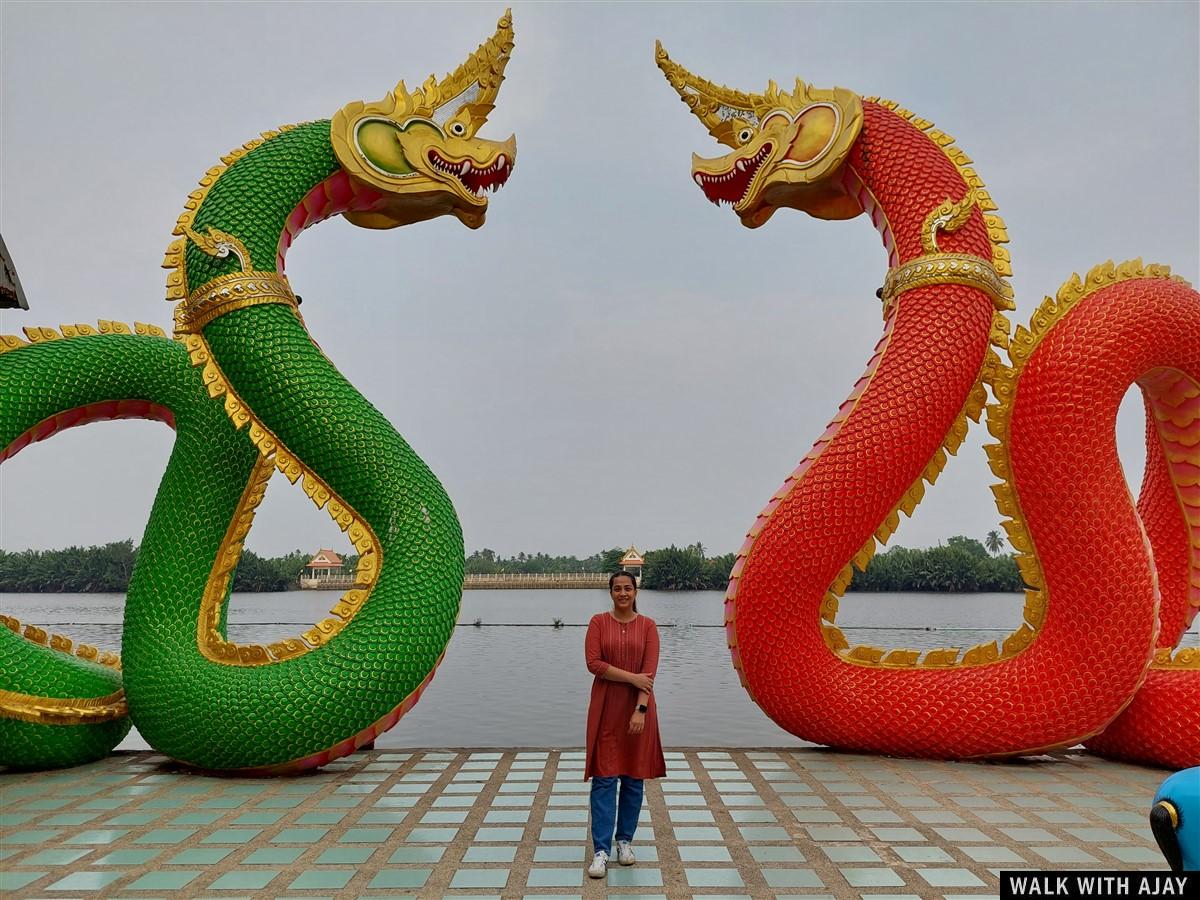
{"type": "Point", "coordinates": [421, 149]}
{"type": "Point", "coordinates": [788, 148]}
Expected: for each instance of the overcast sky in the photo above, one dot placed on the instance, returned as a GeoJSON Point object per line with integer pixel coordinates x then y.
{"type": "Point", "coordinates": [611, 359]}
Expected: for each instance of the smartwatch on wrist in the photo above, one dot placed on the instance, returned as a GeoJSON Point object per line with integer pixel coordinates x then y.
{"type": "Point", "coordinates": [642, 707]}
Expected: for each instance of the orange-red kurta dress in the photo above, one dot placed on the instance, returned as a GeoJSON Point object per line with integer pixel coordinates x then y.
{"type": "Point", "coordinates": [611, 749]}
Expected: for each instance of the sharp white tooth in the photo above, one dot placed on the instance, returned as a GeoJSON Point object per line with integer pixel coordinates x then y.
{"type": "Point", "coordinates": [699, 179]}
{"type": "Point", "coordinates": [466, 166]}
{"type": "Point", "coordinates": [500, 161]}
{"type": "Point", "coordinates": [741, 165]}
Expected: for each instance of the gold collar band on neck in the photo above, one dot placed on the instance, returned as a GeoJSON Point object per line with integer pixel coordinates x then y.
{"type": "Point", "coordinates": [230, 292]}
{"type": "Point", "coordinates": [947, 268]}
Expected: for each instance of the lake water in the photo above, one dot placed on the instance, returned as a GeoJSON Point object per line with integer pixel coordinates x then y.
{"type": "Point", "coordinates": [516, 681]}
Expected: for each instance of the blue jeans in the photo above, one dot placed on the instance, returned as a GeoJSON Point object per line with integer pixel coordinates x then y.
{"type": "Point", "coordinates": [606, 809]}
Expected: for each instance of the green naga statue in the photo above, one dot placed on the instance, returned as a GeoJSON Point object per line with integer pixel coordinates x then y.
{"type": "Point", "coordinates": [249, 393]}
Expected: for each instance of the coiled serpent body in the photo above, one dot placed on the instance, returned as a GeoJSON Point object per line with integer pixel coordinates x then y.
{"type": "Point", "coordinates": [249, 393]}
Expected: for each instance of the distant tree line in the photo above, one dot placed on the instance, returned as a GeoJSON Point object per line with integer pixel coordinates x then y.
{"type": "Point", "coordinates": [487, 562]}
{"type": "Point", "coordinates": [106, 569]}
{"type": "Point", "coordinates": [961, 565]}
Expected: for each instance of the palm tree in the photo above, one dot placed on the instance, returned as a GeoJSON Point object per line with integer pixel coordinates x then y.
{"type": "Point", "coordinates": [993, 541]}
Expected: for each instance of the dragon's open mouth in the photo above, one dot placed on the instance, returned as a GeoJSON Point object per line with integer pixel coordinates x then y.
{"type": "Point", "coordinates": [473, 178]}
{"type": "Point", "coordinates": [731, 187]}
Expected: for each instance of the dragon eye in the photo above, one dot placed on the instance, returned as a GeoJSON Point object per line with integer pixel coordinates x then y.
{"type": "Point", "coordinates": [458, 129]}
{"type": "Point", "coordinates": [745, 134]}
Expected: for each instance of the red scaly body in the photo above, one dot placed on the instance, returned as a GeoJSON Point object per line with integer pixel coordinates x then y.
{"type": "Point", "coordinates": [1093, 611]}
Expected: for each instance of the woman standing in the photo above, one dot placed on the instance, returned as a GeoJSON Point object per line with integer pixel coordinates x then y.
{"type": "Point", "coordinates": [623, 747]}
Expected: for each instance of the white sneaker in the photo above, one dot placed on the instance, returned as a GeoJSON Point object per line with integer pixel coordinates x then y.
{"type": "Point", "coordinates": [625, 853]}
{"type": "Point", "coordinates": [599, 866]}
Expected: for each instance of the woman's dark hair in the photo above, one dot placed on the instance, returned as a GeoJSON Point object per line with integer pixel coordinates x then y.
{"type": "Point", "coordinates": [615, 575]}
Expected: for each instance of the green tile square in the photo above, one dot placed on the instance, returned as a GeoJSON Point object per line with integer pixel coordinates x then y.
{"type": "Point", "coordinates": [750, 816]}
{"type": "Point", "coordinates": [877, 816]}
{"type": "Point", "coordinates": [1064, 854]}
{"type": "Point", "coordinates": [705, 854]}
{"type": "Point", "coordinates": [490, 854]}
{"type": "Point", "coordinates": [299, 835]}
{"type": "Point", "coordinates": [1030, 835]}
{"type": "Point", "coordinates": [43, 803]}
{"type": "Point", "coordinates": [142, 818]}
{"type": "Point", "coordinates": [105, 803]}
{"type": "Point", "coordinates": [355, 788]}
{"type": "Point", "coordinates": [506, 834]}
{"type": "Point", "coordinates": [166, 836]}
{"type": "Point", "coordinates": [831, 833]}
{"type": "Point", "coordinates": [71, 819]}
{"type": "Point", "coordinates": [273, 856]}
{"type": "Point", "coordinates": [950, 878]}
{"type": "Point", "coordinates": [811, 816]}
{"type": "Point", "coordinates": [479, 878]}
{"type": "Point", "coordinates": [333, 879]}
{"type": "Point", "coordinates": [14, 881]}
{"type": "Point", "coordinates": [345, 856]}
{"type": "Point", "coordinates": [400, 878]}
{"type": "Point", "coordinates": [852, 854]}
{"type": "Point", "coordinates": [127, 858]}
{"type": "Point", "coordinates": [893, 835]}
{"type": "Point", "coordinates": [325, 817]}
{"type": "Point", "coordinates": [792, 878]}
{"type": "Point", "coordinates": [634, 876]}
{"type": "Point", "coordinates": [992, 855]}
{"type": "Point", "coordinates": [31, 837]}
{"type": "Point", "coordinates": [558, 877]}
{"type": "Point", "coordinates": [444, 817]}
{"type": "Point", "coordinates": [226, 801]}
{"type": "Point", "coordinates": [506, 817]}
{"type": "Point", "coordinates": [871, 877]}
{"type": "Point", "coordinates": [231, 836]}
{"type": "Point", "coordinates": [416, 855]}
{"type": "Point", "coordinates": [171, 880]}
{"type": "Point", "coordinates": [244, 880]}
{"type": "Point", "coordinates": [284, 802]}
{"type": "Point", "coordinates": [382, 817]}
{"type": "Point", "coordinates": [257, 818]}
{"type": "Point", "coordinates": [577, 816]}
{"type": "Point", "coordinates": [1096, 835]}
{"type": "Point", "coordinates": [428, 835]}
{"type": "Point", "coordinates": [196, 818]}
{"type": "Point", "coordinates": [366, 835]}
{"type": "Point", "coordinates": [557, 854]}
{"type": "Point", "coordinates": [54, 857]}
{"type": "Point", "coordinates": [925, 854]}
{"type": "Point", "coordinates": [691, 815]}
{"type": "Point", "coordinates": [396, 801]}
{"type": "Point", "coordinates": [339, 802]}
{"type": "Point", "coordinates": [697, 833]}
{"type": "Point", "coordinates": [962, 835]}
{"type": "Point", "coordinates": [713, 877]}
{"type": "Point", "coordinates": [1135, 855]}
{"type": "Point", "coordinates": [200, 856]}
{"type": "Point", "coordinates": [772, 854]}
{"type": "Point", "coordinates": [559, 834]}
{"type": "Point", "coordinates": [103, 836]}
{"type": "Point", "coordinates": [85, 881]}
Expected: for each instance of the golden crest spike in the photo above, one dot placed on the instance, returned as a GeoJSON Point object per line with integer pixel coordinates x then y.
{"type": "Point", "coordinates": [473, 86]}
{"type": "Point", "coordinates": [717, 106]}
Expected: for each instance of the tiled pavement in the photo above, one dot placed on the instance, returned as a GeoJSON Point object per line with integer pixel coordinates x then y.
{"type": "Point", "coordinates": [426, 824]}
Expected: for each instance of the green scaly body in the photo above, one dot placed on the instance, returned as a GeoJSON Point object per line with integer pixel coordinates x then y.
{"type": "Point", "coordinates": [211, 714]}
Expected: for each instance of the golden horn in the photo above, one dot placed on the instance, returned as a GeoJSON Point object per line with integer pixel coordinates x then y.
{"type": "Point", "coordinates": [475, 84]}
{"type": "Point", "coordinates": [720, 108]}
